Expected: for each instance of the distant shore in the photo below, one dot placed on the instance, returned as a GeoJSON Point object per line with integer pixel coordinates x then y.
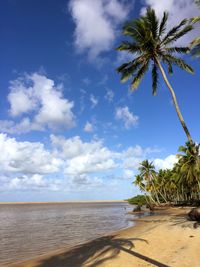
{"type": "Point", "coordinates": [63, 202]}
{"type": "Point", "coordinates": [165, 239]}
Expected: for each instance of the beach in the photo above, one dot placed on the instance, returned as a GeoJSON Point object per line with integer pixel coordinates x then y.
{"type": "Point", "coordinates": [164, 239]}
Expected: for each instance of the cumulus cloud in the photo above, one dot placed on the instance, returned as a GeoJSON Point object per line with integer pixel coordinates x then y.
{"type": "Point", "coordinates": [129, 119]}
{"type": "Point", "coordinates": [134, 155]}
{"type": "Point", "coordinates": [178, 10]}
{"type": "Point", "coordinates": [29, 182]}
{"type": "Point", "coordinates": [88, 127]}
{"type": "Point", "coordinates": [83, 157]}
{"type": "Point", "coordinates": [84, 180]}
{"type": "Point", "coordinates": [39, 97]}
{"type": "Point", "coordinates": [29, 166]}
{"type": "Point", "coordinates": [68, 163]}
{"type": "Point", "coordinates": [96, 23]}
{"type": "Point", "coordinates": [166, 163]}
{"type": "Point", "coordinates": [26, 157]}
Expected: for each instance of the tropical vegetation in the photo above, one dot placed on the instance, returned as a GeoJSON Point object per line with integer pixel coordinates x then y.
{"type": "Point", "coordinates": [179, 185]}
{"type": "Point", "coordinates": [152, 46]}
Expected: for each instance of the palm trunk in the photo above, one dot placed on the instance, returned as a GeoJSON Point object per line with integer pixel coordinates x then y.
{"type": "Point", "coordinates": [175, 102]}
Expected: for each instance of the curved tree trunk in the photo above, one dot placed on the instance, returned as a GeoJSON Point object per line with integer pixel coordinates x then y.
{"type": "Point", "coordinates": [175, 102]}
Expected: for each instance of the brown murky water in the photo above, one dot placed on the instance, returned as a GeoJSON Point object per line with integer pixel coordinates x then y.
{"type": "Point", "coordinates": [30, 230]}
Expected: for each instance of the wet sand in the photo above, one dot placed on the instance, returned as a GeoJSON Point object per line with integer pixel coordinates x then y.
{"type": "Point", "coordinates": [167, 239]}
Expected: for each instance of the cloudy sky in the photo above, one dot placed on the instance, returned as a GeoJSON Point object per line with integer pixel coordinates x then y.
{"type": "Point", "coordinates": [69, 129]}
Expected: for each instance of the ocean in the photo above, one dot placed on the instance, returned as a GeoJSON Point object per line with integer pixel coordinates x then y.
{"type": "Point", "coordinates": [28, 230]}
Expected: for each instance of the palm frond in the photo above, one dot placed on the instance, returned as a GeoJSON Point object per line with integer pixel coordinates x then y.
{"type": "Point", "coordinates": [195, 19]}
{"type": "Point", "coordinates": [179, 62]}
{"type": "Point", "coordinates": [175, 49]}
{"type": "Point", "coordinates": [174, 30]}
{"type": "Point", "coordinates": [163, 23]}
{"type": "Point", "coordinates": [153, 22]}
{"type": "Point", "coordinates": [196, 41]}
{"type": "Point", "coordinates": [196, 51]}
{"type": "Point", "coordinates": [170, 68]}
{"type": "Point", "coordinates": [128, 69]}
{"type": "Point", "coordinates": [178, 35]}
{"type": "Point", "coordinates": [140, 74]}
{"type": "Point", "coordinates": [135, 29]}
{"type": "Point", "coordinates": [154, 79]}
{"type": "Point", "coordinates": [127, 46]}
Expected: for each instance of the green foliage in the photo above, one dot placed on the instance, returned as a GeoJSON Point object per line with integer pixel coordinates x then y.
{"type": "Point", "coordinates": [150, 43]}
{"type": "Point", "coordinates": [139, 200]}
{"type": "Point", "coordinates": [195, 44]}
{"type": "Point", "coordinates": [151, 46]}
{"type": "Point", "coordinates": [178, 185]}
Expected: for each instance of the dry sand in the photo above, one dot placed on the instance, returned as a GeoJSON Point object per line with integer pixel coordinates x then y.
{"type": "Point", "coordinates": [162, 240]}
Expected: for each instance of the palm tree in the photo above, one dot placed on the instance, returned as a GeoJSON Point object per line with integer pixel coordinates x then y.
{"type": "Point", "coordinates": [147, 172]}
{"type": "Point", "coordinates": [188, 169]}
{"type": "Point", "coordinates": [150, 44]}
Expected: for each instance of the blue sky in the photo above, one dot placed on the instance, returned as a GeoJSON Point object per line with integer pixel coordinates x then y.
{"type": "Point", "coordinates": [69, 129]}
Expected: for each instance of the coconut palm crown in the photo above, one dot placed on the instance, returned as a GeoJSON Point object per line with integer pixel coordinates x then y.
{"type": "Point", "coordinates": [151, 45]}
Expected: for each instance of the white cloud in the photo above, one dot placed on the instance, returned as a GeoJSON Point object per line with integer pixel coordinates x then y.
{"type": "Point", "coordinates": [96, 23]}
{"type": "Point", "coordinates": [84, 180]}
{"type": "Point", "coordinates": [128, 174]}
{"type": "Point", "coordinates": [83, 157]}
{"type": "Point", "coordinates": [26, 157]}
{"type": "Point", "coordinates": [68, 164]}
{"type": "Point", "coordinates": [93, 100]}
{"type": "Point", "coordinates": [166, 163]}
{"type": "Point", "coordinates": [37, 94]}
{"type": "Point", "coordinates": [178, 10]}
{"type": "Point", "coordinates": [88, 127]}
{"type": "Point", "coordinates": [129, 119]}
{"type": "Point", "coordinates": [29, 182]}
{"type": "Point", "coordinates": [109, 95]}
{"type": "Point", "coordinates": [134, 155]}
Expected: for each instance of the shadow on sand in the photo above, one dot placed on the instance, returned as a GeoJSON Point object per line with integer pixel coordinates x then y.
{"type": "Point", "coordinates": [96, 252]}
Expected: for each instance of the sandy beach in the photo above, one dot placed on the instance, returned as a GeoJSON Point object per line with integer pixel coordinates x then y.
{"type": "Point", "coordinates": [164, 239]}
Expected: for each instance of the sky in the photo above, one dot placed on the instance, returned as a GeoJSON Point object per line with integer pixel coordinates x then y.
{"type": "Point", "coordinates": [69, 129]}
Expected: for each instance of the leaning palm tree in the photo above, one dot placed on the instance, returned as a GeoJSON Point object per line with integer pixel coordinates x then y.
{"type": "Point", "coordinates": [151, 45]}
{"type": "Point", "coordinates": [148, 173]}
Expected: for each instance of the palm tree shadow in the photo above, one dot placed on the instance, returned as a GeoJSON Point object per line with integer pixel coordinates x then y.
{"type": "Point", "coordinates": [96, 252]}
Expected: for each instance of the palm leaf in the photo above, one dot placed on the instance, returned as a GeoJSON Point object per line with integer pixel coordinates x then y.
{"type": "Point", "coordinates": [178, 35]}
{"type": "Point", "coordinates": [179, 62]}
{"type": "Point", "coordinates": [176, 49]}
{"type": "Point", "coordinates": [195, 19]}
{"type": "Point", "coordinates": [163, 23]}
{"type": "Point", "coordinates": [129, 70]}
{"type": "Point", "coordinates": [196, 51]}
{"type": "Point", "coordinates": [174, 30]}
{"type": "Point", "coordinates": [152, 21]}
{"type": "Point", "coordinates": [140, 74]}
{"type": "Point", "coordinates": [127, 46]}
{"type": "Point", "coordinates": [170, 68]}
{"type": "Point", "coordinates": [196, 41]}
{"type": "Point", "coordinates": [154, 79]}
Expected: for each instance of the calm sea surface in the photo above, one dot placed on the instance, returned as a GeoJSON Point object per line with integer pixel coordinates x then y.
{"type": "Point", "coordinates": [30, 230]}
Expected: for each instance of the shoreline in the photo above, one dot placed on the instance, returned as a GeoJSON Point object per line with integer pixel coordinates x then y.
{"type": "Point", "coordinates": [63, 202]}
{"type": "Point", "coordinates": [166, 239]}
